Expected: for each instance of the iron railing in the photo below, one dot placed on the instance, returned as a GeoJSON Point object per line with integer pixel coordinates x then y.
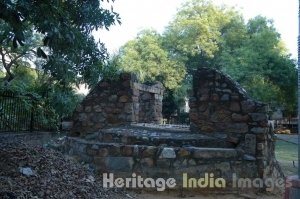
{"type": "Point", "coordinates": [24, 113]}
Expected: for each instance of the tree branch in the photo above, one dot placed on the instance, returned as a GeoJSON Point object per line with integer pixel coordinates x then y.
{"type": "Point", "coordinates": [9, 75]}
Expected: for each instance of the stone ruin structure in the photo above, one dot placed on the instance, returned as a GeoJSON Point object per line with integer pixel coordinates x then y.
{"type": "Point", "coordinates": [219, 107]}
{"type": "Point", "coordinates": [228, 132]}
{"type": "Point", "coordinates": [118, 102]}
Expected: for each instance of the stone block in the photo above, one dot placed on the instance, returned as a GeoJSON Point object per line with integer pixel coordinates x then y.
{"type": "Point", "coordinates": [223, 85]}
{"type": "Point", "coordinates": [98, 118]}
{"type": "Point", "coordinates": [102, 152]}
{"type": "Point", "coordinates": [91, 152]}
{"type": "Point", "coordinates": [163, 163]}
{"type": "Point", "coordinates": [180, 163]}
{"type": "Point", "coordinates": [126, 83]}
{"type": "Point", "coordinates": [168, 153]}
{"type": "Point", "coordinates": [215, 97]}
{"type": "Point", "coordinates": [183, 153]}
{"type": "Point", "coordinates": [150, 151]}
{"type": "Point", "coordinates": [226, 91]}
{"type": "Point", "coordinates": [97, 109]}
{"type": "Point", "coordinates": [100, 162]}
{"type": "Point", "coordinates": [235, 97]}
{"type": "Point", "coordinates": [234, 140]}
{"type": "Point", "coordinates": [95, 146]}
{"type": "Point", "coordinates": [114, 150]}
{"type": "Point", "coordinates": [82, 117]}
{"type": "Point", "coordinates": [221, 116]}
{"type": "Point", "coordinates": [224, 167]}
{"type": "Point", "coordinates": [259, 130]}
{"type": "Point", "coordinates": [257, 117]}
{"type": "Point", "coordinates": [250, 144]}
{"type": "Point", "coordinates": [248, 106]}
{"type": "Point", "coordinates": [119, 163]}
{"type": "Point", "coordinates": [249, 157]}
{"type": "Point", "coordinates": [128, 108]}
{"type": "Point", "coordinates": [147, 162]}
{"type": "Point", "coordinates": [203, 107]}
{"type": "Point", "coordinates": [204, 97]}
{"type": "Point", "coordinates": [236, 128]}
{"type": "Point", "coordinates": [260, 146]}
{"type": "Point", "coordinates": [124, 99]}
{"type": "Point", "coordinates": [239, 117]}
{"type": "Point", "coordinates": [234, 106]}
{"type": "Point", "coordinates": [113, 98]}
{"type": "Point", "coordinates": [106, 137]}
{"type": "Point", "coordinates": [225, 97]}
{"type": "Point", "coordinates": [124, 139]}
{"type": "Point", "coordinates": [88, 109]}
{"type": "Point", "coordinates": [214, 153]}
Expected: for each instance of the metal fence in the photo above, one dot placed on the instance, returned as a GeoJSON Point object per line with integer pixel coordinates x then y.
{"type": "Point", "coordinates": [24, 113]}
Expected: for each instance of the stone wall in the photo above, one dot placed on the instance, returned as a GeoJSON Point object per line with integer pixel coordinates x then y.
{"type": "Point", "coordinates": [159, 161]}
{"type": "Point", "coordinates": [118, 102]}
{"type": "Point", "coordinates": [150, 102]}
{"type": "Point", "coordinates": [221, 108]}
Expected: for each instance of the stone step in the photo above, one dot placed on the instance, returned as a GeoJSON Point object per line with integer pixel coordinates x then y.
{"type": "Point", "coordinates": [158, 160]}
{"type": "Point", "coordinates": [100, 149]}
{"type": "Point", "coordinates": [158, 137]}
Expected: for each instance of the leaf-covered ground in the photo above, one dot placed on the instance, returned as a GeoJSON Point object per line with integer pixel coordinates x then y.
{"type": "Point", "coordinates": [53, 174]}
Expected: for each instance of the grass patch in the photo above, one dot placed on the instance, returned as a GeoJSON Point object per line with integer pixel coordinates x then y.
{"type": "Point", "coordinates": [287, 155]}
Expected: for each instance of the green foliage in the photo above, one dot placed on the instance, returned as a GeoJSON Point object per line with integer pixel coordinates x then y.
{"type": "Point", "coordinates": [261, 59]}
{"type": "Point", "coordinates": [64, 101]}
{"type": "Point", "coordinates": [12, 57]}
{"type": "Point", "coordinates": [51, 102]}
{"type": "Point", "coordinates": [263, 90]}
{"type": "Point", "coordinates": [174, 100]}
{"type": "Point", "coordinates": [65, 29]}
{"type": "Point", "coordinates": [169, 104]}
{"type": "Point", "coordinates": [205, 35]}
{"type": "Point", "coordinates": [2, 74]}
{"type": "Point", "coordinates": [196, 32]}
{"type": "Point", "coordinates": [25, 77]}
{"type": "Point", "coordinates": [146, 57]}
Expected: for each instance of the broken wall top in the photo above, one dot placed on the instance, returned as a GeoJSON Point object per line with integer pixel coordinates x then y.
{"type": "Point", "coordinates": [112, 103]}
{"type": "Point", "coordinates": [219, 104]}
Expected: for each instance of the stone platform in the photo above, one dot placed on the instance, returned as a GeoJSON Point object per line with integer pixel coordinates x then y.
{"type": "Point", "coordinates": [158, 137]}
{"type": "Point", "coordinates": [157, 152]}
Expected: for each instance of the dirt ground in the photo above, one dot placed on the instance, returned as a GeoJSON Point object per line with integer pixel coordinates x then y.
{"type": "Point", "coordinates": [172, 195]}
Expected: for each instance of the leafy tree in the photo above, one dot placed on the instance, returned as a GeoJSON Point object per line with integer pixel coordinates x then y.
{"type": "Point", "coordinates": [205, 35]}
{"type": "Point", "coordinates": [262, 60]}
{"type": "Point", "coordinates": [63, 101]}
{"type": "Point", "coordinates": [146, 57]}
{"type": "Point", "coordinates": [196, 32]}
{"type": "Point", "coordinates": [174, 100]}
{"type": "Point", "coordinates": [12, 57]}
{"type": "Point", "coordinates": [169, 104]}
{"type": "Point", "coordinates": [66, 28]}
{"type": "Point", "coordinates": [25, 78]}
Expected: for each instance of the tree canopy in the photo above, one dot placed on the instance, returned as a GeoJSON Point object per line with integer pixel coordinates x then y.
{"type": "Point", "coordinates": [203, 34]}
{"type": "Point", "coordinates": [71, 53]}
{"type": "Point", "coordinates": [150, 61]}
